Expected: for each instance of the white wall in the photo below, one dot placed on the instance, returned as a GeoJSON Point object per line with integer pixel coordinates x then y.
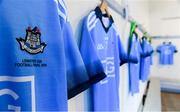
{"type": "Point", "coordinates": [164, 9]}
{"type": "Point", "coordinates": [139, 10]}
{"type": "Point", "coordinates": [77, 9]}
{"type": "Point", "coordinates": [158, 10]}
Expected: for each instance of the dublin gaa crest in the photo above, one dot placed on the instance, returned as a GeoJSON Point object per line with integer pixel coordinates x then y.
{"type": "Point", "coordinates": [32, 42]}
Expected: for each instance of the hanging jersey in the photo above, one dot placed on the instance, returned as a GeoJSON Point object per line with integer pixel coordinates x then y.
{"type": "Point", "coordinates": [134, 69]}
{"type": "Point", "coordinates": [166, 54]}
{"type": "Point", "coordinates": [101, 43]}
{"type": "Point", "coordinates": [40, 56]}
{"type": "Point", "coordinates": [145, 61]}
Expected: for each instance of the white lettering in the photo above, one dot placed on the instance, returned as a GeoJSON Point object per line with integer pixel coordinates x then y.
{"type": "Point", "coordinates": [100, 47]}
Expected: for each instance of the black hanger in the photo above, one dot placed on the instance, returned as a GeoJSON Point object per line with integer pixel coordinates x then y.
{"type": "Point", "coordinates": [135, 34]}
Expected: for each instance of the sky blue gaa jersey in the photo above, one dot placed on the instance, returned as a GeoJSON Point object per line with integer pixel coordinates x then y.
{"type": "Point", "coordinates": [166, 54]}
{"type": "Point", "coordinates": [134, 68]}
{"type": "Point", "coordinates": [38, 56]}
{"type": "Point", "coordinates": [145, 61]}
{"type": "Point", "coordinates": [101, 41]}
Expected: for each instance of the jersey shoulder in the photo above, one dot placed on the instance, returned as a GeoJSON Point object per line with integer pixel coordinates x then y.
{"type": "Point", "coordinates": [61, 8]}
{"type": "Point", "coordinates": [115, 30]}
{"type": "Point", "coordinates": [91, 20]}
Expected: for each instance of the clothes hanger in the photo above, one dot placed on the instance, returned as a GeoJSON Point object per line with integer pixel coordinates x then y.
{"type": "Point", "coordinates": [136, 32]}
{"type": "Point", "coordinates": [104, 7]}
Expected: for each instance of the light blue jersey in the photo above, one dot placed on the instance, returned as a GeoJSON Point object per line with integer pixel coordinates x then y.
{"type": "Point", "coordinates": [38, 56]}
{"type": "Point", "coordinates": [134, 69]}
{"type": "Point", "coordinates": [100, 41]}
{"type": "Point", "coordinates": [166, 54]}
{"type": "Point", "coordinates": [145, 61]}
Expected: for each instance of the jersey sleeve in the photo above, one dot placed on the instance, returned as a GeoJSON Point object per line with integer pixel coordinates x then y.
{"type": "Point", "coordinates": [158, 49]}
{"type": "Point", "coordinates": [90, 56]}
{"type": "Point", "coordinates": [175, 49]}
{"type": "Point", "coordinates": [122, 54]}
{"type": "Point", "coordinates": [77, 78]}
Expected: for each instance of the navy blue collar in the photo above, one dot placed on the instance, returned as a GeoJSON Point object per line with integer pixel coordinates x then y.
{"type": "Point", "coordinates": [99, 15]}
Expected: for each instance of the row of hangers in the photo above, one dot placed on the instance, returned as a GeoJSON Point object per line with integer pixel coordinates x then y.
{"type": "Point", "coordinates": [167, 43]}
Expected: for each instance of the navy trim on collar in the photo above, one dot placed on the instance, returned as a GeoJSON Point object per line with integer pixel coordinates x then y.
{"type": "Point", "coordinates": [99, 15]}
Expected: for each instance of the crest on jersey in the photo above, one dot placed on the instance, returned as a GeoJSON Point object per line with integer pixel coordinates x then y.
{"type": "Point", "coordinates": [32, 42]}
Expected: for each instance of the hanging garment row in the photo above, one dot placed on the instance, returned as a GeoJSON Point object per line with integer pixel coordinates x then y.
{"type": "Point", "coordinates": [44, 67]}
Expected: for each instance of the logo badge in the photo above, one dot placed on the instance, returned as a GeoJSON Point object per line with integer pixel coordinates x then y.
{"type": "Point", "coordinates": [32, 42]}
